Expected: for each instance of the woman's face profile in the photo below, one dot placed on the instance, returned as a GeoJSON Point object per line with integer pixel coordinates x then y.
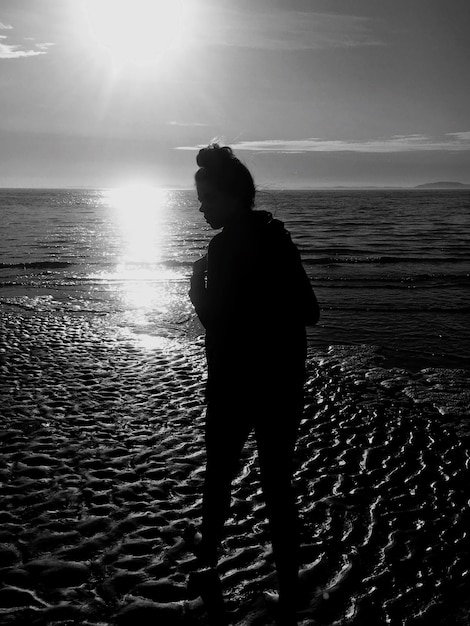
{"type": "Point", "coordinates": [218, 208]}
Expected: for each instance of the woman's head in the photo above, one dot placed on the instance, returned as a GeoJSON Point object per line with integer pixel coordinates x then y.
{"type": "Point", "coordinates": [225, 186]}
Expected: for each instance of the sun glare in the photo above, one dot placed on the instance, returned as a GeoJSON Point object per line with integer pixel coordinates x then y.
{"type": "Point", "coordinates": [136, 31]}
{"type": "Point", "coordinates": [138, 211]}
{"type": "Point", "coordinates": [136, 197]}
{"type": "Point", "coordinates": [139, 277]}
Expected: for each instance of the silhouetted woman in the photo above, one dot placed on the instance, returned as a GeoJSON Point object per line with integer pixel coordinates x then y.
{"type": "Point", "coordinates": [254, 299]}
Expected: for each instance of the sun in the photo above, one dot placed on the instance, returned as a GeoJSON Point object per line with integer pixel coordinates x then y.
{"type": "Point", "coordinates": [136, 198]}
{"type": "Point", "coordinates": [136, 31]}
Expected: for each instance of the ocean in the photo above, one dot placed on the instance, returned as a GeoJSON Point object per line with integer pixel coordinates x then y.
{"type": "Point", "coordinates": [391, 268]}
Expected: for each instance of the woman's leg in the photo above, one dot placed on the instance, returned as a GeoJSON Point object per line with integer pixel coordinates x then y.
{"type": "Point", "coordinates": [226, 433]}
{"type": "Point", "coordinates": [276, 435]}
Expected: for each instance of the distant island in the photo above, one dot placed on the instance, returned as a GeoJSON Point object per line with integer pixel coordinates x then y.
{"type": "Point", "coordinates": [432, 186]}
{"type": "Point", "coordinates": [443, 185]}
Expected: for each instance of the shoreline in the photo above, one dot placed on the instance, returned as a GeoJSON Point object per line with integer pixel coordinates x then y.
{"type": "Point", "coordinates": [102, 466]}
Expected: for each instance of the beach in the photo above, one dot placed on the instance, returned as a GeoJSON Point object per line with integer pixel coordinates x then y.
{"type": "Point", "coordinates": [102, 467]}
{"type": "Point", "coordinates": [102, 410]}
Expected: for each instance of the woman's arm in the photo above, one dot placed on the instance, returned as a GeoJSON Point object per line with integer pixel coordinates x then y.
{"type": "Point", "coordinates": [198, 292]}
{"type": "Point", "coordinates": [309, 309]}
{"type": "Point", "coordinates": [285, 287]}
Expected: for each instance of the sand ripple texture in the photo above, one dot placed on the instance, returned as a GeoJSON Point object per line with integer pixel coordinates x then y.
{"type": "Point", "coordinates": [102, 467]}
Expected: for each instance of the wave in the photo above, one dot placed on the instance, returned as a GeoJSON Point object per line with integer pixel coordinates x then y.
{"type": "Point", "coordinates": [428, 281]}
{"type": "Point", "coordinates": [176, 263]}
{"type": "Point", "coordinates": [393, 278]}
{"type": "Point", "coordinates": [37, 265]}
{"type": "Point", "coordinates": [47, 304]}
{"type": "Point", "coordinates": [398, 286]}
{"type": "Point", "coordinates": [336, 260]}
{"type": "Point", "coordinates": [329, 260]}
{"type": "Point", "coordinates": [395, 309]}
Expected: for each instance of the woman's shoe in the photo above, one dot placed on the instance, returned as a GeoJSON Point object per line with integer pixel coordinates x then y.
{"type": "Point", "coordinates": [206, 584]}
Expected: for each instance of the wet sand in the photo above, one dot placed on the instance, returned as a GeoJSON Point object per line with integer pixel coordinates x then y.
{"type": "Point", "coordinates": [102, 467]}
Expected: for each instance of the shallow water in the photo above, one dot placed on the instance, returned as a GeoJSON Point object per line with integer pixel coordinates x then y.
{"type": "Point", "coordinates": [391, 268]}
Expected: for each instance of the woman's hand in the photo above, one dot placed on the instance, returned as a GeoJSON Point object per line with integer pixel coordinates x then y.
{"type": "Point", "coordinates": [200, 267]}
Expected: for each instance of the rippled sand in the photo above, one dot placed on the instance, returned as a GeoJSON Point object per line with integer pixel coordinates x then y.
{"type": "Point", "coordinates": [102, 466]}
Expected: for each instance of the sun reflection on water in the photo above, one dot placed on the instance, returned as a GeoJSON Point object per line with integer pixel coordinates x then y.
{"type": "Point", "coordinates": [140, 213]}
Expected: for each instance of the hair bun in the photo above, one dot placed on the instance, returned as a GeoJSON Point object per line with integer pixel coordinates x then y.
{"type": "Point", "coordinates": [219, 167]}
{"type": "Point", "coordinates": [214, 156]}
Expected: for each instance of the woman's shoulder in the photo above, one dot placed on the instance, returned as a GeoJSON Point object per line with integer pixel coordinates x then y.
{"type": "Point", "coordinates": [216, 241]}
{"type": "Point", "coordinates": [217, 245]}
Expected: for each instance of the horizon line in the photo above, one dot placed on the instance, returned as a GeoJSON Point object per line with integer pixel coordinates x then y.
{"type": "Point", "coordinates": [444, 185]}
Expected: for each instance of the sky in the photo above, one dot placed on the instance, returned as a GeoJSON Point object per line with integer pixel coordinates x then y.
{"type": "Point", "coordinates": [308, 93]}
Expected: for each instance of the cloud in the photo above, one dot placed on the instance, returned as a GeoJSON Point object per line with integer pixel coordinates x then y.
{"type": "Point", "coordinates": [186, 124]}
{"type": "Point", "coordinates": [19, 51]}
{"type": "Point", "coordinates": [15, 51]}
{"type": "Point", "coordinates": [44, 47]}
{"type": "Point", "coordinates": [464, 136]}
{"type": "Point", "coordinates": [453, 142]}
{"type": "Point", "coordinates": [280, 29]}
